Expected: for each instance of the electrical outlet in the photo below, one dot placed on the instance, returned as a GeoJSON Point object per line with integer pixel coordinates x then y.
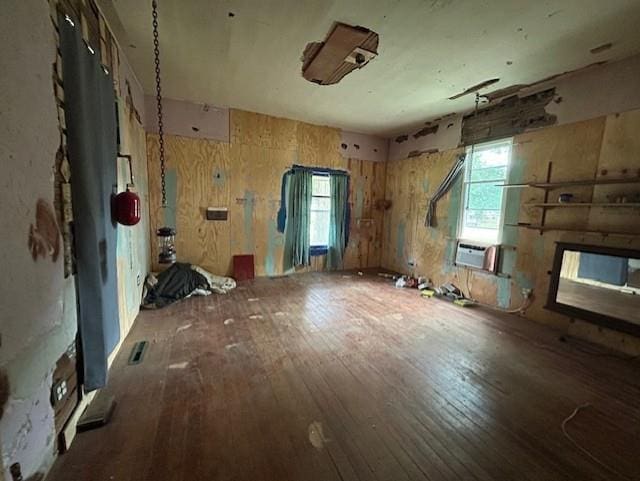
{"type": "Point", "coordinates": [59, 391]}
{"type": "Point", "coordinates": [526, 293]}
{"type": "Point", "coordinates": [411, 263]}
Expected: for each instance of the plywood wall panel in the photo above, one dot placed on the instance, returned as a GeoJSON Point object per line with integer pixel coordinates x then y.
{"type": "Point", "coordinates": [246, 176]}
{"type": "Point", "coordinates": [583, 150]}
{"type": "Point", "coordinates": [249, 128]}
{"type": "Point", "coordinates": [618, 159]}
{"type": "Point", "coordinates": [196, 164]}
{"type": "Point", "coordinates": [366, 186]}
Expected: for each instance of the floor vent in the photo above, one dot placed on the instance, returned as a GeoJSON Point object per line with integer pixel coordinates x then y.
{"type": "Point", "coordinates": [137, 353]}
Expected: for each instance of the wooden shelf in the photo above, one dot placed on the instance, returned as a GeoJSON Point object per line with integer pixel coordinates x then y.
{"type": "Point", "coordinates": [583, 204]}
{"type": "Point", "coordinates": [544, 228]}
{"type": "Point", "coordinates": [572, 183]}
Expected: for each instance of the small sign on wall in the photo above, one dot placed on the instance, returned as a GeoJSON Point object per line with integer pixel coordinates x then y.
{"type": "Point", "coordinates": [217, 213]}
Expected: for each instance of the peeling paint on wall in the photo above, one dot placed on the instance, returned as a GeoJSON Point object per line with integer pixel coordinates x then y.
{"type": "Point", "coordinates": [425, 185]}
{"type": "Point", "coordinates": [449, 257]}
{"type": "Point", "coordinates": [453, 214]}
{"type": "Point", "coordinates": [400, 241]}
{"type": "Point", "coordinates": [503, 295]}
{"type": "Point", "coordinates": [510, 235]}
{"type": "Point", "coordinates": [274, 240]}
{"type": "Point", "coordinates": [512, 115]}
{"type": "Point", "coordinates": [429, 129]}
{"type": "Point", "coordinates": [249, 204]}
{"type": "Point", "coordinates": [580, 90]}
{"type": "Point", "coordinates": [359, 198]}
{"type": "Point", "coordinates": [365, 147]}
{"type": "Point", "coordinates": [44, 237]}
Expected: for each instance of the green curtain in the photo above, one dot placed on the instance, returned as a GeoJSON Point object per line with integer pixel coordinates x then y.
{"type": "Point", "coordinates": [298, 195]}
{"type": "Point", "coordinates": [338, 217]}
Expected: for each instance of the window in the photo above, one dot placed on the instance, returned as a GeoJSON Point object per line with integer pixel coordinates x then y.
{"type": "Point", "coordinates": [320, 210]}
{"type": "Point", "coordinates": [483, 199]}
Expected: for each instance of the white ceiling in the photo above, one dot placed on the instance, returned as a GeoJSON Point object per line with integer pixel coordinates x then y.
{"type": "Point", "coordinates": [429, 50]}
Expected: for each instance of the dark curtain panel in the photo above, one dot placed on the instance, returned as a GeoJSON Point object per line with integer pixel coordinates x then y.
{"type": "Point", "coordinates": [338, 216]}
{"type": "Point", "coordinates": [296, 241]}
{"type": "Point", "coordinates": [92, 145]}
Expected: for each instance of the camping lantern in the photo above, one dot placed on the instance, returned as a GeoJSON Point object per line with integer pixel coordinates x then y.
{"type": "Point", "coordinates": [166, 245]}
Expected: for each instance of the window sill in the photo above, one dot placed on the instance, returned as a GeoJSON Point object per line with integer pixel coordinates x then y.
{"type": "Point", "coordinates": [482, 243]}
{"type": "Point", "coordinates": [318, 250]}
{"type": "Point", "coordinates": [475, 242]}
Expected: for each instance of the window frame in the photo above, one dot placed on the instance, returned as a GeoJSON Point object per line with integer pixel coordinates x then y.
{"type": "Point", "coordinates": [319, 249]}
{"type": "Point", "coordinates": [466, 182]}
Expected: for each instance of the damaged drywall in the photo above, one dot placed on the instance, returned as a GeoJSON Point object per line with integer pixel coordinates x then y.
{"type": "Point", "coordinates": [188, 119]}
{"type": "Point", "coordinates": [363, 146]}
{"type": "Point", "coordinates": [584, 93]}
{"type": "Point", "coordinates": [582, 150]}
{"type": "Point", "coordinates": [38, 307]}
{"type": "Point", "coordinates": [429, 129]}
{"type": "Point", "coordinates": [38, 312]}
{"type": "Point", "coordinates": [509, 117]}
{"type": "Point", "coordinates": [345, 49]}
{"type": "Point", "coordinates": [447, 136]}
{"type": "Point", "coordinates": [44, 235]}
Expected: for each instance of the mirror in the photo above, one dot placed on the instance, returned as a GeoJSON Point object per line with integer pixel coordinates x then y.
{"type": "Point", "coordinates": [598, 284]}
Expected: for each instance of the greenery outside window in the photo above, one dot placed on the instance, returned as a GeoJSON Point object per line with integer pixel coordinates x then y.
{"type": "Point", "coordinates": [486, 168]}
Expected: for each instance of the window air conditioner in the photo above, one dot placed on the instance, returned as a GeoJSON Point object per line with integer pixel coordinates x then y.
{"type": "Point", "coordinates": [469, 255]}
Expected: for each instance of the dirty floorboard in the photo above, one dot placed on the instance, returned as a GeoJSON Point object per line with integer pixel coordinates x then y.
{"type": "Point", "coordinates": [342, 377]}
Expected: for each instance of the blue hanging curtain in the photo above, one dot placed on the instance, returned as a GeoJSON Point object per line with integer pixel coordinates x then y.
{"type": "Point", "coordinates": [90, 115]}
{"type": "Point", "coordinates": [338, 221]}
{"type": "Point", "coordinates": [298, 198]}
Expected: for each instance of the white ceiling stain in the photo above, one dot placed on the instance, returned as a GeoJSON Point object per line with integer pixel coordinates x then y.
{"type": "Point", "coordinates": [429, 50]}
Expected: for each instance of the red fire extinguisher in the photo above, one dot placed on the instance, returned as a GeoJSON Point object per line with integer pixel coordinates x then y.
{"type": "Point", "coordinates": [127, 203]}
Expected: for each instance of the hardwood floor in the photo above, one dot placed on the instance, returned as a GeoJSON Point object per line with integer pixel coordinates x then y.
{"type": "Point", "coordinates": [342, 377]}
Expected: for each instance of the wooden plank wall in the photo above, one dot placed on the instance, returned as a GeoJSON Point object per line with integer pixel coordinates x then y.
{"type": "Point", "coordinates": [605, 146]}
{"type": "Point", "coordinates": [245, 176]}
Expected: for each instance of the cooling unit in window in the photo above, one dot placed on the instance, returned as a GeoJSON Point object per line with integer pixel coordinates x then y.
{"type": "Point", "coordinates": [469, 255]}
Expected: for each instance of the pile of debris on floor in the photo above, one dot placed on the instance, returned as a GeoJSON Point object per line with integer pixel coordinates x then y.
{"type": "Point", "coordinates": [180, 281]}
{"type": "Point", "coordinates": [446, 291]}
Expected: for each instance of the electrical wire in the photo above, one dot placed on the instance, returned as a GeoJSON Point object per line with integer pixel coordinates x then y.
{"type": "Point", "coordinates": [523, 307]}
{"type": "Point", "coordinates": [585, 451]}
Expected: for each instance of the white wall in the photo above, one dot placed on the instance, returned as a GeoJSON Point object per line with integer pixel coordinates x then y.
{"type": "Point", "coordinates": [37, 304]}
{"type": "Point", "coordinates": [37, 308]}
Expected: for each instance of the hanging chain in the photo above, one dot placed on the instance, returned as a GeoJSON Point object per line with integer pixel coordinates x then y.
{"type": "Point", "coordinates": [156, 53]}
